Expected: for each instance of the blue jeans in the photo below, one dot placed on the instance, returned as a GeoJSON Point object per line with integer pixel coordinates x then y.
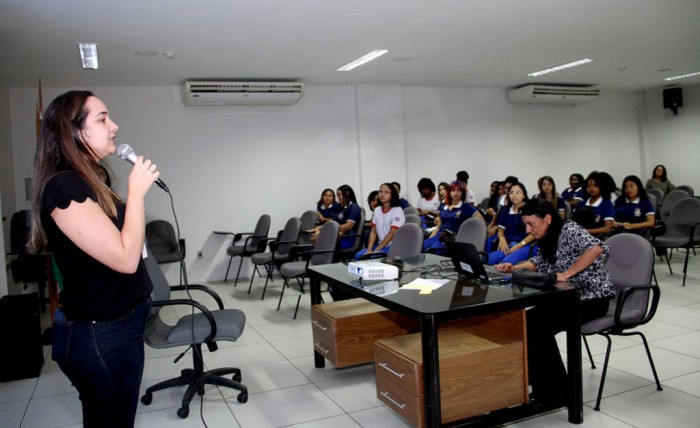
{"type": "Point", "coordinates": [104, 361]}
{"type": "Point", "coordinates": [362, 252]}
{"type": "Point", "coordinates": [515, 257]}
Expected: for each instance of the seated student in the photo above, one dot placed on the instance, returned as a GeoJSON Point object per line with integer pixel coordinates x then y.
{"type": "Point", "coordinates": [633, 211]}
{"type": "Point", "coordinates": [450, 216]}
{"type": "Point", "coordinates": [575, 194]}
{"type": "Point", "coordinates": [659, 180]}
{"type": "Point", "coordinates": [326, 207]}
{"type": "Point", "coordinates": [386, 220]}
{"type": "Point", "coordinates": [348, 217]}
{"type": "Point", "coordinates": [548, 192]}
{"type": "Point", "coordinates": [403, 203]}
{"type": "Point", "coordinates": [597, 213]}
{"type": "Point", "coordinates": [469, 196]}
{"type": "Point", "coordinates": [512, 243]}
{"type": "Point", "coordinates": [429, 202]}
{"type": "Point", "coordinates": [372, 203]}
{"type": "Point", "coordinates": [492, 227]}
{"type": "Point", "coordinates": [443, 189]}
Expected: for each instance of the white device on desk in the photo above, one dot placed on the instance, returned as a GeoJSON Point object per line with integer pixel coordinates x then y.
{"type": "Point", "coordinates": [373, 270]}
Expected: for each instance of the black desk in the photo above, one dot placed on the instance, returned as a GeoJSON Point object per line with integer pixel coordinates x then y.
{"type": "Point", "coordinates": [444, 304]}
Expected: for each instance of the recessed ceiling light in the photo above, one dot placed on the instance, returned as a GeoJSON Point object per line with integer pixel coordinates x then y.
{"type": "Point", "coordinates": [363, 59]}
{"type": "Point", "coordinates": [146, 53]}
{"type": "Point", "coordinates": [561, 67]}
{"type": "Point", "coordinates": [683, 76]}
{"type": "Point", "coordinates": [88, 55]}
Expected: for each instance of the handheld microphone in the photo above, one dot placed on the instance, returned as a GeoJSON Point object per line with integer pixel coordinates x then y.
{"type": "Point", "coordinates": [125, 152]}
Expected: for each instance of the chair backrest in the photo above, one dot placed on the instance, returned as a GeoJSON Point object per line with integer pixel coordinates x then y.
{"type": "Point", "coordinates": [412, 218]}
{"type": "Point", "coordinates": [670, 200]}
{"type": "Point", "coordinates": [411, 210]}
{"type": "Point", "coordinates": [687, 188]}
{"type": "Point", "coordinates": [289, 237]}
{"type": "Point", "coordinates": [308, 221]}
{"type": "Point", "coordinates": [262, 228]}
{"type": "Point", "coordinates": [684, 214]}
{"type": "Point", "coordinates": [326, 242]}
{"type": "Point", "coordinates": [19, 231]}
{"type": "Point", "coordinates": [407, 242]}
{"type": "Point", "coordinates": [484, 204]}
{"type": "Point", "coordinates": [162, 241]}
{"type": "Point", "coordinates": [659, 196]}
{"type": "Point", "coordinates": [161, 287]}
{"type": "Point", "coordinates": [472, 231]}
{"type": "Point", "coordinates": [652, 200]}
{"type": "Point", "coordinates": [630, 264]}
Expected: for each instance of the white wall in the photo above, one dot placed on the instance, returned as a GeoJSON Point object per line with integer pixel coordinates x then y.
{"type": "Point", "coordinates": [227, 165]}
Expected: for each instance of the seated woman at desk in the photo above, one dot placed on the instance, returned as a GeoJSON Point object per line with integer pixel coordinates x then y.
{"type": "Point", "coordinates": [386, 220]}
{"type": "Point", "coordinates": [568, 250]}
{"type": "Point", "coordinates": [451, 215]}
{"type": "Point", "coordinates": [633, 211]}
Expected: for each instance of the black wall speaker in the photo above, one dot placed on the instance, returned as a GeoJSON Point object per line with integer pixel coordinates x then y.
{"type": "Point", "coordinates": [673, 98]}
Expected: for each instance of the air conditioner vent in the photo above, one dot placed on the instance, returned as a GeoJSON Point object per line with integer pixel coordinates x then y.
{"type": "Point", "coordinates": [229, 93]}
{"type": "Point", "coordinates": [545, 94]}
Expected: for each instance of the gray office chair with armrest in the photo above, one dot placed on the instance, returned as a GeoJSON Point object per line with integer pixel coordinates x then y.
{"type": "Point", "coordinates": [165, 246]}
{"type": "Point", "coordinates": [670, 200]}
{"type": "Point", "coordinates": [682, 230]}
{"type": "Point", "coordinates": [204, 326]}
{"type": "Point", "coordinates": [473, 231]}
{"type": "Point", "coordinates": [323, 252]}
{"type": "Point", "coordinates": [255, 242]}
{"type": "Point", "coordinates": [279, 251]}
{"type": "Point", "coordinates": [630, 266]}
{"type": "Point", "coordinates": [687, 188]}
{"type": "Point", "coordinates": [407, 242]}
{"type": "Point", "coordinates": [308, 221]}
{"type": "Point", "coordinates": [659, 197]}
{"type": "Point", "coordinates": [411, 210]}
{"type": "Point", "coordinates": [413, 218]}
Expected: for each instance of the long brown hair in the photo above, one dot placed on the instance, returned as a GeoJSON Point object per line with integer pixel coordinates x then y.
{"type": "Point", "coordinates": [61, 148]}
{"type": "Point", "coordinates": [554, 199]}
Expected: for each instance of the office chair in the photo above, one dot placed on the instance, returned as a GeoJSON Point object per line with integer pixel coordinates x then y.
{"type": "Point", "coordinates": [164, 245]}
{"type": "Point", "coordinates": [687, 188]}
{"type": "Point", "coordinates": [308, 221]}
{"type": "Point", "coordinates": [412, 218]}
{"type": "Point", "coordinates": [473, 231]}
{"type": "Point", "coordinates": [323, 252]}
{"type": "Point", "coordinates": [669, 201]}
{"type": "Point", "coordinates": [411, 210]}
{"type": "Point", "coordinates": [203, 327]}
{"type": "Point", "coordinates": [279, 251]}
{"type": "Point", "coordinates": [682, 230]}
{"type": "Point", "coordinates": [254, 243]}
{"type": "Point", "coordinates": [26, 267]}
{"type": "Point", "coordinates": [630, 266]}
{"type": "Point", "coordinates": [659, 197]}
{"type": "Point", "coordinates": [407, 242]}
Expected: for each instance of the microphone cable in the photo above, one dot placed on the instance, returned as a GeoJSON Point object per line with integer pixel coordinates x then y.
{"type": "Point", "coordinates": [183, 278]}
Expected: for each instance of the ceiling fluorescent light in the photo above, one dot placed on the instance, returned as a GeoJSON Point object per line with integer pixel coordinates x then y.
{"type": "Point", "coordinates": [561, 67]}
{"type": "Point", "coordinates": [88, 55]}
{"type": "Point", "coordinates": [683, 76]}
{"type": "Point", "coordinates": [364, 59]}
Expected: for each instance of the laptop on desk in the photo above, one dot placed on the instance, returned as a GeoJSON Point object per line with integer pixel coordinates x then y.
{"type": "Point", "coordinates": [467, 261]}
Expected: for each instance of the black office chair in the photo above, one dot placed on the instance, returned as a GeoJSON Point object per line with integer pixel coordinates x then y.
{"type": "Point", "coordinates": [204, 326]}
{"type": "Point", "coordinates": [26, 268]}
{"type": "Point", "coordinates": [682, 231]}
{"type": "Point", "coordinates": [165, 247]}
{"type": "Point", "coordinates": [630, 267]}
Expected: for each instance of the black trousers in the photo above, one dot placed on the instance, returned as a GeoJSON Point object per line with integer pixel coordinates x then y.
{"type": "Point", "coordinates": [546, 368]}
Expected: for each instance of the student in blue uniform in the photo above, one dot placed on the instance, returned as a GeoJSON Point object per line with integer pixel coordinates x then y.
{"type": "Point", "coordinates": [349, 217]}
{"type": "Point", "coordinates": [597, 213]}
{"type": "Point", "coordinates": [575, 194]}
{"type": "Point", "coordinates": [451, 215]}
{"type": "Point", "coordinates": [548, 192]}
{"type": "Point", "coordinates": [633, 211]}
{"type": "Point", "coordinates": [326, 207]}
{"type": "Point", "coordinates": [512, 242]}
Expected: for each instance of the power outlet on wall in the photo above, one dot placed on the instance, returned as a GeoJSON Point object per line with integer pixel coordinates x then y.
{"type": "Point", "coordinates": [200, 255]}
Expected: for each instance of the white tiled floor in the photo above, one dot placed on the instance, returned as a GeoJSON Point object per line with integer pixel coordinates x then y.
{"type": "Point", "coordinates": [275, 354]}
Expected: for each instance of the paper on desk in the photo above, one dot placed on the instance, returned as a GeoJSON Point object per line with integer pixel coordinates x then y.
{"type": "Point", "coordinates": [425, 286]}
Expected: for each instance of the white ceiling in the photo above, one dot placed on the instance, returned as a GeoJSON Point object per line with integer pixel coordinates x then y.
{"type": "Point", "coordinates": [450, 42]}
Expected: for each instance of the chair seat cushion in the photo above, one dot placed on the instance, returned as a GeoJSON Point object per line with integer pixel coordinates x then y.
{"type": "Point", "coordinates": [293, 269]}
{"type": "Point", "coordinates": [671, 241]}
{"type": "Point", "coordinates": [229, 327]}
{"type": "Point", "coordinates": [261, 258]}
{"type": "Point", "coordinates": [235, 250]}
{"type": "Point", "coordinates": [629, 315]}
{"type": "Point", "coordinates": [167, 257]}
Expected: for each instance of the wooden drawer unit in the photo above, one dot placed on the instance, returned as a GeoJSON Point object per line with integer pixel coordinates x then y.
{"type": "Point", "coordinates": [344, 332]}
{"type": "Point", "coordinates": [483, 367]}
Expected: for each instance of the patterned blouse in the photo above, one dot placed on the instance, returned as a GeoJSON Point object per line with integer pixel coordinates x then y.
{"type": "Point", "coordinates": [592, 282]}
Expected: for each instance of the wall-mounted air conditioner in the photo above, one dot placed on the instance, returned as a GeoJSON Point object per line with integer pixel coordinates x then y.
{"type": "Point", "coordinates": [546, 94]}
{"type": "Point", "coordinates": [223, 93]}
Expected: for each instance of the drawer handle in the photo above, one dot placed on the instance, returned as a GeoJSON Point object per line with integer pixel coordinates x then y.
{"type": "Point", "coordinates": [395, 373]}
{"type": "Point", "coordinates": [319, 325]}
{"type": "Point", "coordinates": [396, 403]}
{"type": "Point", "coordinates": [325, 351]}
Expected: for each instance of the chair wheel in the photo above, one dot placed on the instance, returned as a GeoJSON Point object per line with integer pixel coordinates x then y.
{"type": "Point", "coordinates": [243, 397]}
{"type": "Point", "coordinates": [183, 412]}
{"type": "Point", "coordinates": [237, 377]}
{"type": "Point", "coordinates": [147, 398]}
